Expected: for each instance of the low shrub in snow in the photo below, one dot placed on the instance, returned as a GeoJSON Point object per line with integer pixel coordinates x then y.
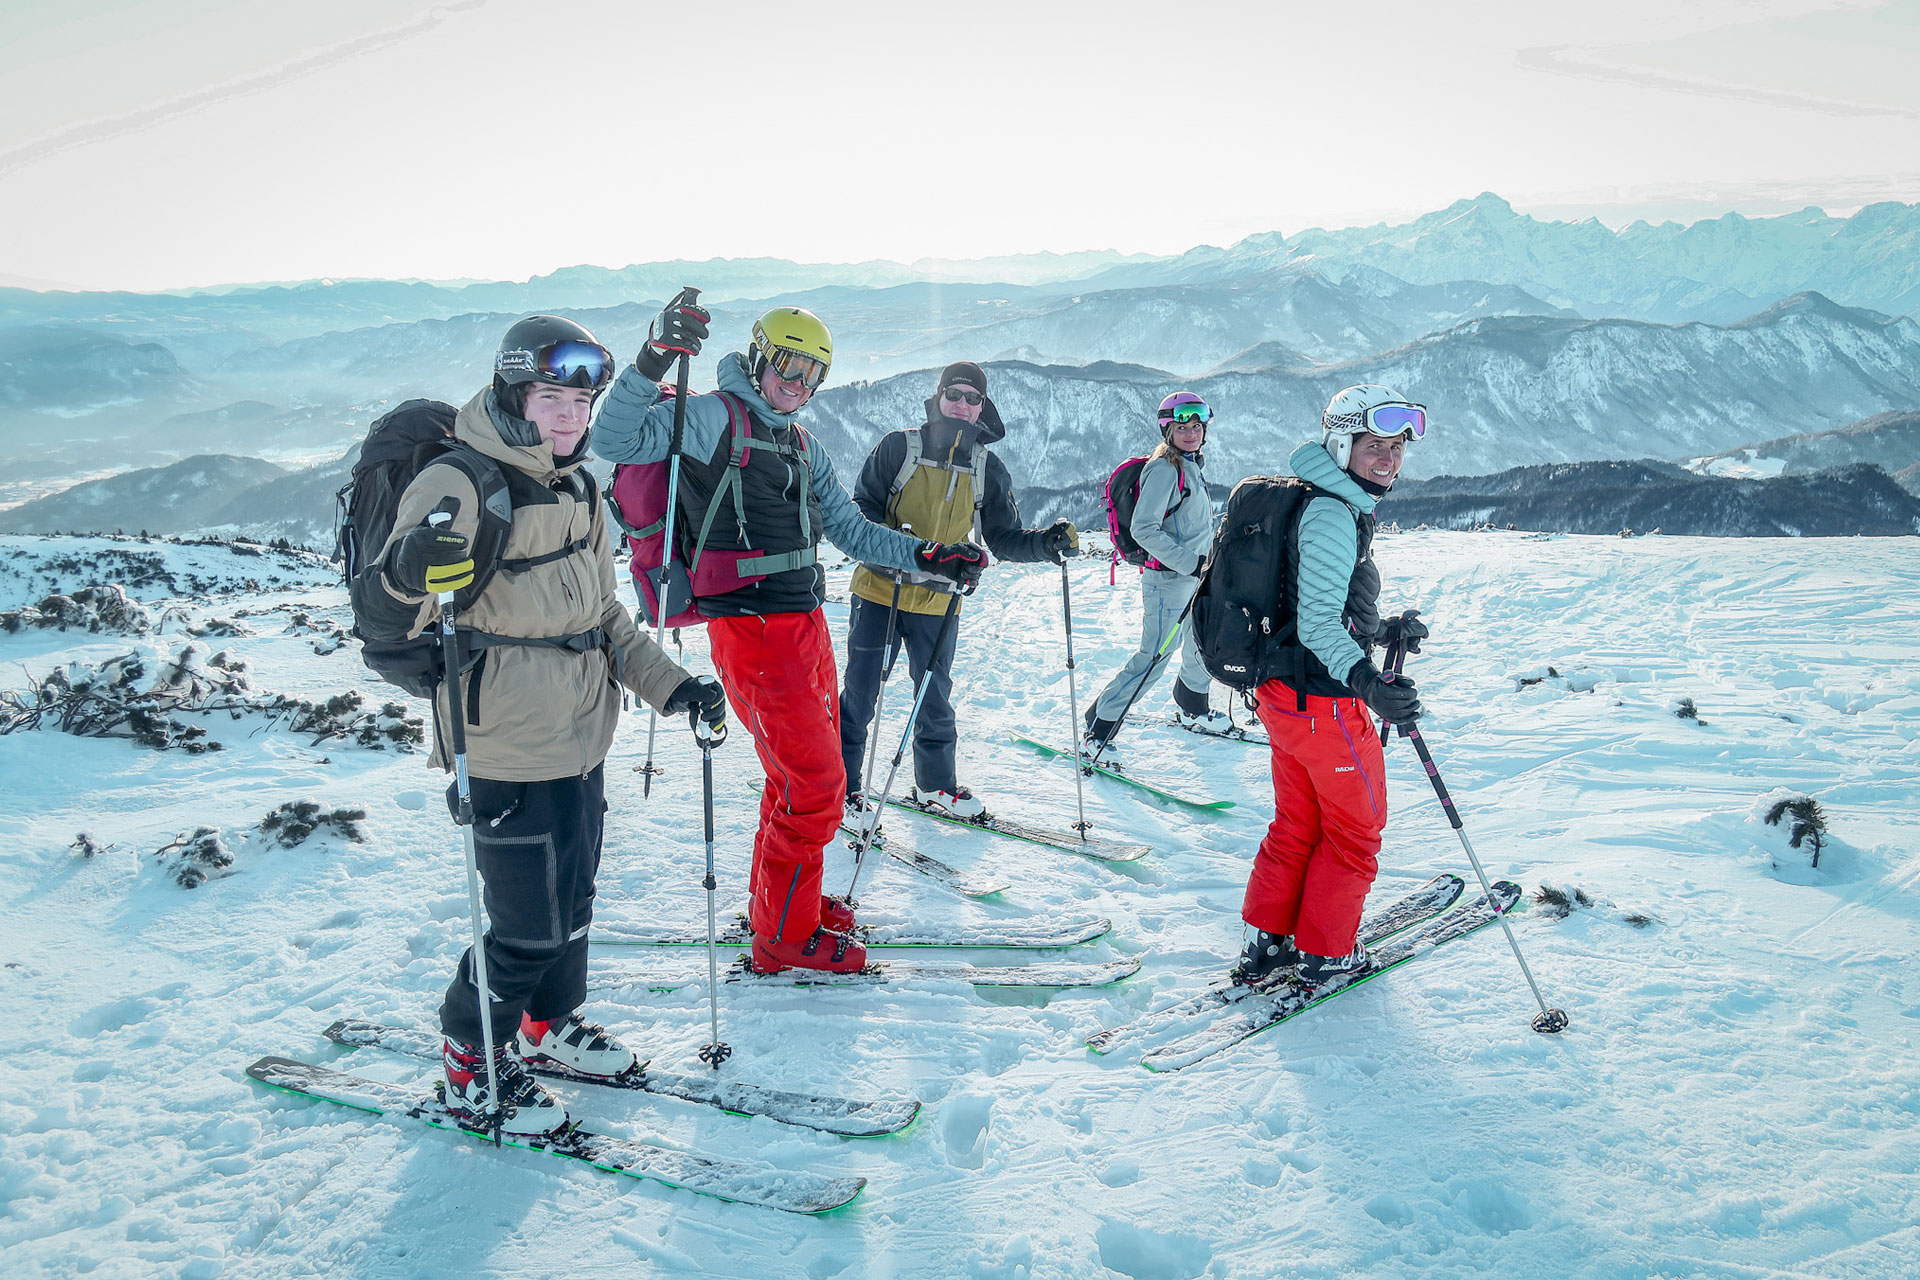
{"type": "Point", "coordinates": [292, 823]}
{"type": "Point", "coordinates": [192, 860]}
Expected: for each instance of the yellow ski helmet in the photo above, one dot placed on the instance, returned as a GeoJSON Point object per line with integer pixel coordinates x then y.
{"type": "Point", "coordinates": [795, 343]}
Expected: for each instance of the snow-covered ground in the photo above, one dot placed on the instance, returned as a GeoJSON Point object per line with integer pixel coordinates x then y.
{"type": "Point", "coordinates": [1738, 1094]}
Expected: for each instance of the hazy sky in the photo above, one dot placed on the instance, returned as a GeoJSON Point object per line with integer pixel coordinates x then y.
{"type": "Point", "coordinates": [163, 143]}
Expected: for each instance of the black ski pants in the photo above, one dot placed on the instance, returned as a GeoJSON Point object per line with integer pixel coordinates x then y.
{"type": "Point", "coordinates": [538, 847]}
{"type": "Point", "coordinates": [934, 734]}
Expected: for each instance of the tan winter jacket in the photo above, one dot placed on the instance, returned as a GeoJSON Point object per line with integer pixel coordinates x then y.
{"type": "Point", "coordinates": [543, 713]}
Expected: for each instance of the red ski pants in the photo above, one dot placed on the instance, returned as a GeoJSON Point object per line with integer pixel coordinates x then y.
{"type": "Point", "coordinates": [1321, 851]}
{"type": "Point", "coordinates": [779, 675]}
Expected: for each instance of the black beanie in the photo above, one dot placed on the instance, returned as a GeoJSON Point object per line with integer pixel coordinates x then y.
{"type": "Point", "coordinates": [963, 371]}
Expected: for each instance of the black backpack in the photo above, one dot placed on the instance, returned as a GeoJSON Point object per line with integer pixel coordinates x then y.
{"type": "Point", "coordinates": [1242, 613]}
{"type": "Point", "coordinates": [399, 445]}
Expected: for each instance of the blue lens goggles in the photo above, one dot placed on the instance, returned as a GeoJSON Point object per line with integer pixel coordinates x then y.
{"type": "Point", "coordinates": [570, 363]}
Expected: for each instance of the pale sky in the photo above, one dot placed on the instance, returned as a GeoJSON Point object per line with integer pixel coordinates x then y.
{"type": "Point", "coordinates": [149, 144]}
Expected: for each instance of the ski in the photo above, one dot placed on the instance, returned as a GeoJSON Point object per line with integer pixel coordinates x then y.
{"type": "Point", "coordinates": [1091, 846]}
{"type": "Point", "coordinates": [1424, 903]}
{"type": "Point", "coordinates": [1274, 1006]}
{"type": "Point", "coordinates": [1119, 775]}
{"type": "Point", "coordinates": [743, 1183]}
{"type": "Point", "coordinates": [848, 1117]}
{"type": "Point", "coordinates": [1238, 733]}
{"type": "Point", "coordinates": [1047, 973]}
{"type": "Point", "coordinates": [1014, 934]}
{"type": "Point", "coordinates": [961, 882]}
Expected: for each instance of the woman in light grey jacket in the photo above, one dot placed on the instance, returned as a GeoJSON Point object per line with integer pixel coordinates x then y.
{"type": "Point", "coordinates": [1173, 523]}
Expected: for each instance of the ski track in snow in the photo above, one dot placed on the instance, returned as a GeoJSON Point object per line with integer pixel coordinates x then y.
{"type": "Point", "coordinates": [1737, 1096]}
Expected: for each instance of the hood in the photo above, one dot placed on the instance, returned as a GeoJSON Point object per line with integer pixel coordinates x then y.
{"type": "Point", "coordinates": [479, 425]}
{"type": "Point", "coordinates": [732, 376]}
{"type": "Point", "coordinates": [939, 431]}
{"type": "Point", "coordinates": [1312, 463]}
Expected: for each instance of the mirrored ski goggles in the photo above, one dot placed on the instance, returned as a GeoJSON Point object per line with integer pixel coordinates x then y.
{"type": "Point", "coordinates": [570, 363]}
{"type": "Point", "coordinates": [1189, 415]}
{"type": "Point", "coordinates": [1393, 419]}
{"type": "Point", "coordinates": [793, 366]}
{"type": "Point", "coordinates": [956, 395]}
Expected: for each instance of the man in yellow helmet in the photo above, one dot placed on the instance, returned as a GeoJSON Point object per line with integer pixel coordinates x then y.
{"type": "Point", "coordinates": [768, 635]}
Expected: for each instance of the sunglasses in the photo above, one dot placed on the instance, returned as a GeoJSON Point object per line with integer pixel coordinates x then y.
{"type": "Point", "coordinates": [955, 395]}
{"type": "Point", "coordinates": [571, 363]}
{"type": "Point", "coordinates": [793, 366]}
{"type": "Point", "coordinates": [1393, 419]}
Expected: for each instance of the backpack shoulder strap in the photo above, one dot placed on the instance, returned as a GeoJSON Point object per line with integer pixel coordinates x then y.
{"type": "Point", "coordinates": [907, 465]}
{"type": "Point", "coordinates": [495, 517]}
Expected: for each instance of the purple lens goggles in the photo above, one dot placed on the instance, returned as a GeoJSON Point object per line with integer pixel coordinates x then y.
{"type": "Point", "coordinates": [1393, 419]}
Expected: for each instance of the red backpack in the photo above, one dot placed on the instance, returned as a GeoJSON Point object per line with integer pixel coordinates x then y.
{"type": "Point", "coordinates": [1122, 495]}
{"type": "Point", "coordinates": [636, 497]}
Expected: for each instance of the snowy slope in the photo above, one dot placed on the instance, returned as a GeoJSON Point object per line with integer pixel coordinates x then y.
{"type": "Point", "coordinates": [1737, 1095]}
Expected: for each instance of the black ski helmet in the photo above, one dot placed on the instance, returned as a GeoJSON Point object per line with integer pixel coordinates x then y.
{"type": "Point", "coordinates": [550, 349]}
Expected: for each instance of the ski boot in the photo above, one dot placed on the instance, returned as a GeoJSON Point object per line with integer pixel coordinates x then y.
{"type": "Point", "coordinates": [1214, 723]}
{"type": "Point", "coordinates": [528, 1111]}
{"type": "Point", "coordinates": [836, 914]}
{"type": "Point", "coordinates": [1320, 971]}
{"type": "Point", "coordinates": [958, 803]}
{"type": "Point", "coordinates": [1265, 959]}
{"type": "Point", "coordinates": [824, 951]}
{"type": "Point", "coordinates": [568, 1040]}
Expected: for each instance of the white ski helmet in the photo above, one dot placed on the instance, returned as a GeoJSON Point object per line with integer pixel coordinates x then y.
{"type": "Point", "coordinates": [1368, 407]}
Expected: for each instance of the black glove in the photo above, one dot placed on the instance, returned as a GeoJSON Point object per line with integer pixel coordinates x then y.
{"type": "Point", "coordinates": [1396, 703]}
{"type": "Point", "coordinates": [678, 330]}
{"type": "Point", "coordinates": [1406, 628]}
{"type": "Point", "coordinates": [1061, 537]}
{"type": "Point", "coordinates": [705, 703]}
{"type": "Point", "coordinates": [430, 560]}
{"type": "Point", "coordinates": [960, 562]}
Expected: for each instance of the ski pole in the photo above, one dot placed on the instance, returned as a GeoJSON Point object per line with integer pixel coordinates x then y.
{"type": "Point", "coordinates": [685, 298]}
{"type": "Point", "coordinates": [1140, 685]}
{"type": "Point", "coordinates": [880, 694]}
{"type": "Point", "coordinates": [1548, 1021]}
{"type": "Point", "coordinates": [716, 1051]}
{"type": "Point", "coordinates": [495, 1118]}
{"type": "Point", "coordinates": [1073, 697]}
{"type": "Point", "coordinates": [906, 736]}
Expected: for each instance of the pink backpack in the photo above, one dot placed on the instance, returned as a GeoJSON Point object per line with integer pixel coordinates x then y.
{"type": "Point", "coordinates": [636, 496]}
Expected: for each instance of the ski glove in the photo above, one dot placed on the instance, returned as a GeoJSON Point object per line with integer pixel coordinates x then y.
{"type": "Point", "coordinates": [705, 703]}
{"type": "Point", "coordinates": [1061, 537]}
{"type": "Point", "coordinates": [430, 561]}
{"type": "Point", "coordinates": [1406, 628]}
{"type": "Point", "coordinates": [1396, 703]}
{"type": "Point", "coordinates": [677, 331]}
{"type": "Point", "coordinates": [960, 562]}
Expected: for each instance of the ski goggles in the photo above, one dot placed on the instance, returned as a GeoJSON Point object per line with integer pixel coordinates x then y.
{"type": "Point", "coordinates": [1394, 419]}
{"type": "Point", "coordinates": [794, 366]}
{"type": "Point", "coordinates": [571, 363]}
{"type": "Point", "coordinates": [1191, 415]}
{"type": "Point", "coordinates": [955, 395]}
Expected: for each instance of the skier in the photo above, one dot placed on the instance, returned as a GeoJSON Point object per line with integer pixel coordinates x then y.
{"type": "Point", "coordinates": [540, 702]}
{"type": "Point", "coordinates": [769, 639]}
{"type": "Point", "coordinates": [940, 480]}
{"type": "Point", "coordinates": [1173, 522]}
{"type": "Point", "coordinates": [1320, 854]}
